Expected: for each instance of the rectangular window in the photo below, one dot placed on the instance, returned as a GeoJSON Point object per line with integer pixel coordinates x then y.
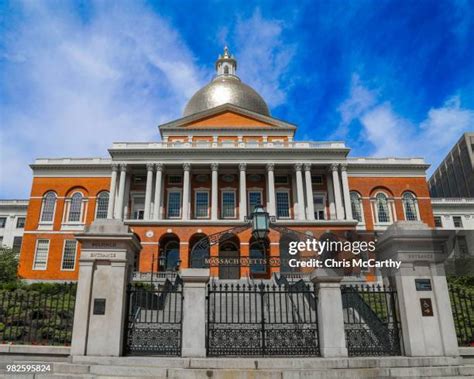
{"type": "Point", "coordinates": [319, 201]}
{"type": "Point", "coordinates": [457, 221]}
{"type": "Point", "coordinates": [283, 204]}
{"type": "Point", "coordinates": [138, 214]}
{"type": "Point", "coordinates": [255, 198]}
{"type": "Point", "coordinates": [281, 179]}
{"type": "Point", "coordinates": [175, 179]}
{"type": "Point", "coordinates": [41, 255]}
{"type": "Point", "coordinates": [138, 207]}
{"type": "Point", "coordinates": [69, 255]}
{"type": "Point", "coordinates": [438, 222]}
{"type": "Point", "coordinates": [228, 204]}
{"type": "Point", "coordinates": [174, 204]}
{"type": "Point", "coordinates": [317, 179]}
{"type": "Point", "coordinates": [3, 221]}
{"type": "Point", "coordinates": [17, 243]}
{"type": "Point", "coordinates": [20, 222]}
{"type": "Point", "coordinates": [201, 208]}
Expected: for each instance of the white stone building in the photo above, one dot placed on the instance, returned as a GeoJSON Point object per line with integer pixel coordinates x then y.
{"type": "Point", "coordinates": [12, 222]}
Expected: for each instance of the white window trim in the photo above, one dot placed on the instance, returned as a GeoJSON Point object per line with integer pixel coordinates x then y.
{"type": "Point", "coordinates": [47, 255]}
{"type": "Point", "coordinates": [416, 207]}
{"type": "Point", "coordinates": [362, 222]}
{"type": "Point", "coordinates": [168, 192]}
{"type": "Point", "coordinates": [254, 189]}
{"type": "Point", "coordinates": [66, 224]}
{"type": "Point", "coordinates": [462, 221]}
{"type": "Point", "coordinates": [325, 196]}
{"type": "Point", "coordinates": [47, 225]}
{"type": "Point", "coordinates": [234, 192]}
{"type": "Point", "coordinates": [204, 190]}
{"type": "Point", "coordinates": [287, 191]}
{"type": "Point", "coordinates": [97, 204]}
{"type": "Point", "coordinates": [391, 211]}
{"type": "Point", "coordinates": [62, 258]}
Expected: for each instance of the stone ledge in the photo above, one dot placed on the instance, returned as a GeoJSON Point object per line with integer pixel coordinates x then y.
{"type": "Point", "coordinates": [466, 351]}
{"type": "Point", "coordinates": [34, 349]}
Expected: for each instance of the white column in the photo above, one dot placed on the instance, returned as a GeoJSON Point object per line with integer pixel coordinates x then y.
{"type": "Point", "coordinates": [271, 189]}
{"type": "Point", "coordinates": [149, 186]}
{"type": "Point", "coordinates": [243, 190]}
{"type": "Point", "coordinates": [157, 200]}
{"type": "Point", "coordinates": [121, 194]}
{"type": "Point", "coordinates": [337, 192]}
{"type": "Point", "coordinates": [332, 205]}
{"type": "Point", "coordinates": [186, 185]}
{"type": "Point", "coordinates": [309, 192]}
{"type": "Point", "coordinates": [214, 190]}
{"type": "Point", "coordinates": [300, 191]}
{"type": "Point", "coordinates": [345, 192]}
{"type": "Point", "coordinates": [113, 190]}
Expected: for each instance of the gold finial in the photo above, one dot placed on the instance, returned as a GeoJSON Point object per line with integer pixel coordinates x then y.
{"type": "Point", "coordinates": [226, 52]}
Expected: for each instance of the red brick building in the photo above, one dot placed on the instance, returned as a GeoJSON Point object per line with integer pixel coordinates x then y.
{"type": "Point", "coordinates": [211, 167]}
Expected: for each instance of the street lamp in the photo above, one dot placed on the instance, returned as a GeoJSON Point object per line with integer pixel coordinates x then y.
{"type": "Point", "coordinates": [260, 223]}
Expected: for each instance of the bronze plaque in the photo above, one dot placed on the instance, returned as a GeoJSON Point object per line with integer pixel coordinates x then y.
{"type": "Point", "coordinates": [99, 307]}
{"type": "Point", "coordinates": [426, 307]}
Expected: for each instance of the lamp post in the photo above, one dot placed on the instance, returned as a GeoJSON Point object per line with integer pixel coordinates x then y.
{"type": "Point", "coordinates": [260, 223]}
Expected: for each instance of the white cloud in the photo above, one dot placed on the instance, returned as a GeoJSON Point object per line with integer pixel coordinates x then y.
{"type": "Point", "coordinates": [263, 57]}
{"type": "Point", "coordinates": [74, 86]}
{"type": "Point", "coordinates": [387, 133]}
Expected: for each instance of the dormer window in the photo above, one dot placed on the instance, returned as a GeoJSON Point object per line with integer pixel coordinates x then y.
{"type": "Point", "coordinates": [226, 70]}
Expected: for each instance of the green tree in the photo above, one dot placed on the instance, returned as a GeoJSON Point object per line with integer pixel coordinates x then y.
{"type": "Point", "coordinates": [8, 265]}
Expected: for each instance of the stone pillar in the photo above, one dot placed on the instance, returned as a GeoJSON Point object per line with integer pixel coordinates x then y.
{"type": "Point", "coordinates": [214, 191]}
{"type": "Point", "coordinates": [149, 186]}
{"type": "Point", "coordinates": [157, 200]}
{"type": "Point", "coordinates": [121, 193]}
{"type": "Point", "coordinates": [112, 191]}
{"type": "Point", "coordinates": [337, 192]}
{"type": "Point", "coordinates": [186, 190]}
{"type": "Point", "coordinates": [243, 191]}
{"type": "Point", "coordinates": [309, 192]}
{"type": "Point", "coordinates": [332, 205]}
{"type": "Point", "coordinates": [194, 311]}
{"type": "Point", "coordinates": [105, 265]}
{"type": "Point", "coordinates": [332, 337]}
{"type": "Point", "coordinates": [422, 291]}
{"type": "Point", "coordinates": [345, 192]}
{"type": "Point", "coordinates": [300, 191]}
{"type": "Point", "coordinates": [271, 189]}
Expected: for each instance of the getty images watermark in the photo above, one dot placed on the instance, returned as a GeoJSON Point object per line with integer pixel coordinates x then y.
{"type": "Point", "coordinates": [359, 249]}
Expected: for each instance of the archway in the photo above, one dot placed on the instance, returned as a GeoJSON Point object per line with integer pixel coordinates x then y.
{"type": "Point", "coordinates": [199, 251]}
{"type": "Point", "coordinates": [258, 253]}
{"type": "Point", "coordinates": [168, 259]}
{"type": "Point", "coordinates": [229, 258]}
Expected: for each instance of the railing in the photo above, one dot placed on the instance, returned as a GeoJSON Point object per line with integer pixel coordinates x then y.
{"type": "Point", "coordinates": [371, 320]}
{"type": "Point", "coordinates": [462, 305]}
{"type": "Point", "coordinates": [231, 144]}
{"type": "Point", "coordinates": [159, 276]}
{"type": "Point", "coordinates": [38, 314]}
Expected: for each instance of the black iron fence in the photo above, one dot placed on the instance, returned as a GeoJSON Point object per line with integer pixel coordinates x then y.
{"type": "Point", "coordinates": [371, 320]}
{"type": "Point", "coordinates": [154, 321]}
{"type": "Point", "coordinates": [38, 314]}
{"type": "Point", "coordinates": [261, 319]}
{"type": "Point", "coordinates": [462, 305]}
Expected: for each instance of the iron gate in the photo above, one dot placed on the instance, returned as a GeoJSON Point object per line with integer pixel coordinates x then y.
{"type": "Point", "coordinates": [371, 320]}
{"type": "Point", "coordinates": [261, 319]}
{"type": "Point", "coordinates": [462, 305]}
{"type": "Point", "coordinates": [154, 322]}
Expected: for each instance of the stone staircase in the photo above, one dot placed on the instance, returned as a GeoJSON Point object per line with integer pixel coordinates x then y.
{"type": "Point", "coordinates": [244, 368]}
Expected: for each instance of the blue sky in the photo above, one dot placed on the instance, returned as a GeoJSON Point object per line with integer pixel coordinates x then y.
{"type": "Point", "coordinates": [390, 78]}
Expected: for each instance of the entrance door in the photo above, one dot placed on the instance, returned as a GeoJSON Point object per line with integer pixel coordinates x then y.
{"type": "Point", "coordinates": [229, 263]}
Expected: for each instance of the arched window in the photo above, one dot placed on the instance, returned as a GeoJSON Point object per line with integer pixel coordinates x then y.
{"type": "Point", "coordinates": [226, 70]}
{"type": "Point", "coordinates": [356, 205]}
{"type": "Point", "coordinates": [170, 256]}
{"type": "Point", "coordinates": [409, 206]}
{"type": "Point", "coordinates": [49, 204]}
{"type": "Point", "coordinates": [381, 204]}
{"type": "Point", "coordinates": [75, 208]}
{"type": "Point", "coordinates": [257, 257]}
{"type": "Point", "coordinates": [102, 205]}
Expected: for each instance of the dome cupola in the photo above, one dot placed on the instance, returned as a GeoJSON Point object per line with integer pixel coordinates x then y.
{"type": "Point", "coordinates": [226, 87]}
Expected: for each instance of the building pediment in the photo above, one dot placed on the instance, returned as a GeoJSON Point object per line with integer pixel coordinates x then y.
{"type": "Point", "coordinates": [226, 116]}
